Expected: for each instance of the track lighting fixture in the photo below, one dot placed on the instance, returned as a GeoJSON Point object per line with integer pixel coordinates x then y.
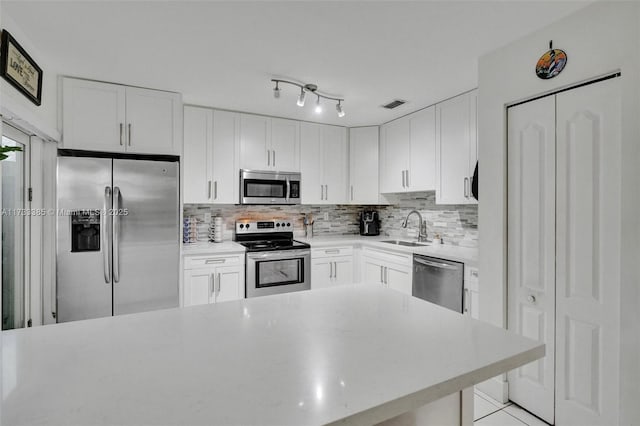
{"type": "Point", "coordinates": [301, 97]}
{"type": "Point", "coordinates": [304, 88]}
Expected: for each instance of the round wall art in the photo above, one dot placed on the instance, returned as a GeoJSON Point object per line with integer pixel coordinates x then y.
{"type": "Point", "coordinates": [551, 64]}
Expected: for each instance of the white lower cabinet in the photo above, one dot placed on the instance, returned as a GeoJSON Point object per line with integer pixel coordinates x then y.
{"type": "Point", "coordinates": [213, 279]}
{"type": "Point", "coordinates": [471, 293]}
{"type": "Point", "coordinates": [392, 270]}
{"type": "Point", "coordinates": [331, 266]}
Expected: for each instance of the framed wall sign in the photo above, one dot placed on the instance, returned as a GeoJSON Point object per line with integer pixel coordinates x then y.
{"type": "Point", "coordinates": [17, 67]}
{"type": "Point", "coordinates": [551, 63]}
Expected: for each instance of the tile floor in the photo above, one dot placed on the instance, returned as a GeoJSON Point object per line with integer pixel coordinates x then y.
{"type": "Point", "coordinates": [489, 412]}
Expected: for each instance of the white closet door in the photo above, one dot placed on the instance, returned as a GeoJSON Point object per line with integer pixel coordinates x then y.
{"type": "Point", "coordinates": [531, 264]}
{"type": "Point", "coordinates": [588, 254]}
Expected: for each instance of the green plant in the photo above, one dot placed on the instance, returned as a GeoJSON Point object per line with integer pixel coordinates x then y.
{"type": "Point", "coordinates": [4, 149]}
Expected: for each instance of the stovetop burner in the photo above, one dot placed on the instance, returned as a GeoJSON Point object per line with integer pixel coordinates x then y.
{"type": "Point", "coordinates": [273, 245]}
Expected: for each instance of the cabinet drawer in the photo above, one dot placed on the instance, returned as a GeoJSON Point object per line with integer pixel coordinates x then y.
{"type": "Point", "coordinates": [192, 262]}
{"type": "Point", "coordinates": [318, 253]}
{"type": "Point", "coordinates": [387, 256]}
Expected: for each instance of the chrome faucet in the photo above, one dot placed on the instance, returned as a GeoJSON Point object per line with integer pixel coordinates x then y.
{"type": "Point", "coordinates": [422, 230]}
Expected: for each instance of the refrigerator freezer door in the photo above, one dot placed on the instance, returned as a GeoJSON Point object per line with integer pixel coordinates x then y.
{"type": "Point", "coordinates": [83, 241]}
{"type": "Point", "coordinates": [148, 250]}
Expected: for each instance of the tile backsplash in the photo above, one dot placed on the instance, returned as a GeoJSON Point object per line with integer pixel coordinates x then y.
{"type": "Point", "coordinates": [457, 224]}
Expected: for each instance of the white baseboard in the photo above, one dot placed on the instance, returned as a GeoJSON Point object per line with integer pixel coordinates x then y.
{"type": "Point", "coordinates": [496, 387]}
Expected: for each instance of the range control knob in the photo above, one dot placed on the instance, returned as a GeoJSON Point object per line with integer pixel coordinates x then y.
{"type": "Point", "coordinates": [288, 224]}
{"type": "Point", "coordinates": [241, 225]}
{"type": "Point", "coordinates": [247, 225]}
{"type": "Point", "coordinates": [277, 224]}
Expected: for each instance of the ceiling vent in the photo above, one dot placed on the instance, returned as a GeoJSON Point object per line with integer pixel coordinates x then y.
{"type": "Point", "coordinates": [394, 104]}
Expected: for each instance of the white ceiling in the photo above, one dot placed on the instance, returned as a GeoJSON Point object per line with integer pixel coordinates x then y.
{"type": "Point", "coordinates": [223, 54]}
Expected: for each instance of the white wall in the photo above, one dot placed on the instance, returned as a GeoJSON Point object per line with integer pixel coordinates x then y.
{"type": "Point", "coordinates": [43, 119]}
{"type": "Point", "coordinates": [598, 39]}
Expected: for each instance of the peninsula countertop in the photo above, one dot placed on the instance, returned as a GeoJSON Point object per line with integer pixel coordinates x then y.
{"type": "Point", "coordinates": [358, 353]}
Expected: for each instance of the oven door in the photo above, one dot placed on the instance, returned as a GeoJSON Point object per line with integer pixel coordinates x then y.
{"type": "Point", "coordinates": [274, 272]}
{"type": "Point", "coordinates": [269, 187]}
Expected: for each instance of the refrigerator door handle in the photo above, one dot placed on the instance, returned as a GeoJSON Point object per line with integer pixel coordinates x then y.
{"type": "Point", "coordinates": [116, 234]}
{"type": "Point", "coordinates": [106, 234]}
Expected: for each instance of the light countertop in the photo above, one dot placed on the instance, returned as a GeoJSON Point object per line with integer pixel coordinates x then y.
{"type": "Point", "coordinates": [205, 248]}
{"type": "Point", "coordinates": [359, 353]}
{"type": "Point", "coordinates": [467, 255]}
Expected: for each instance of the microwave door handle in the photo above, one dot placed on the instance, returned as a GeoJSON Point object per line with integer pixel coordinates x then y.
{"type": "Point", "coordinates": [286, 198]}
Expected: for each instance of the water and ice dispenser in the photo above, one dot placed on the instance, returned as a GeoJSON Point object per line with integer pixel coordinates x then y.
{"type": "Point", "coordinates": [85, 231]}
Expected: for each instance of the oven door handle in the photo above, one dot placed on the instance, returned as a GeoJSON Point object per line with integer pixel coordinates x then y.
{"type": "Point", "coordinates": [279, 254]}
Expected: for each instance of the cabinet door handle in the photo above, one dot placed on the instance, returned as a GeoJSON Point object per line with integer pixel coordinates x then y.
{"type": "Point", "coordinates": [322, 192]}
{"type": "Point", "coordinates": [465, 300]}
{"type": "Point", "coordinates": [209, 261]}
{"type": "Point", "coordinates": [403, 179]}
{"type": "Point", "coordinates": [274, 158]}
{"type": "Point", "coordinates": [406, 173]}
{"type": "Point", "coordinates": [212, 284]}
{"type": "Point", "coordinates": [466, 187]}
{"type": "Point", "coordinates": [386, 275]}
{"type": "Point", "coordinates": [121, 131]}
{"type": "Point", "coordinates": [268, 157]}
{"type": "Point", "coordinates": [381, 274]}
{"type": "Point", "coordinates": [330, 270]}
{"type": "Point", "coordinates": [335, 270]}
{"type": "Point", "coordinates": [215, 190]}
{"type": "Point", "coordinates": [129, 134]}
{"type": "Point", "coordinates": [218, 283]}
{"type": "Point", "coordinates": [208, 190]}
{"type": "Point", "coordinates": [326, 192]}
{"type": "Point", "coordinates": [351, 192]}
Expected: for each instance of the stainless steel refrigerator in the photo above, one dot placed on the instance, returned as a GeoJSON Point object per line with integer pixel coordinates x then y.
{"type": "Point", "coordinates": [117, 236]}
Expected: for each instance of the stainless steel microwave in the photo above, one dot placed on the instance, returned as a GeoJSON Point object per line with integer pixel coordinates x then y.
{"type": "Point", "coordinates": [267, 187]}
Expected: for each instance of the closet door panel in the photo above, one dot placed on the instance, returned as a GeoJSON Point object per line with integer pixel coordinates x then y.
{"type": "Point", "coordinates": [588, 254]}
{"type": "Point", "coordinates": [531, 256]}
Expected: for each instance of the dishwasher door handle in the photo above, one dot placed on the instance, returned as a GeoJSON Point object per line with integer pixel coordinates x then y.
{"type": "Point", "coordinates": [435, 264]}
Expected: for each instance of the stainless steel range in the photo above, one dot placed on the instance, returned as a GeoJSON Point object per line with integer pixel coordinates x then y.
{"type": "Point", "coordinates": [275, 262]}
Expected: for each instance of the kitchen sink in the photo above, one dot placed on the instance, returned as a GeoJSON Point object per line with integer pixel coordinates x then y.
{"type": "Point", "coordinates": [405, 243]}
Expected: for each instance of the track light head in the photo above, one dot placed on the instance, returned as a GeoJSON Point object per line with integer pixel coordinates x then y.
{"type": "Point", "coordinates": [340, 110]}
{"type": "Point", "coordinates": [276, 91]}
{"type": "Point", "coordinates": [318, 106]}
{"type": "Point", "coordinates": [301, 97]}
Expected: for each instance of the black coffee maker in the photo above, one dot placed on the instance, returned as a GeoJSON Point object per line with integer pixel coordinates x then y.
{"type": "Point", "coordinates": [369, 223]}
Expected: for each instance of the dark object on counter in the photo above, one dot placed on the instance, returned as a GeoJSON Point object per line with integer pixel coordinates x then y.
{"type": "Point", "coordinates": [474, 183]}
{"type": "Point", "coordinates": [369, 223]}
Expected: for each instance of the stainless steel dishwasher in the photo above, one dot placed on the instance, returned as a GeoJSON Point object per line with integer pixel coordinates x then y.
{"type": "Point", "coordinates": [438, 281]}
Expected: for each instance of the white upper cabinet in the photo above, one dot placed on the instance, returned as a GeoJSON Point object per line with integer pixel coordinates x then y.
{"type": "Point", "coordinates": [113, 118]}
{"type": "Point", "coordinates": [154, 124]}
{"type": "Point", "coordinates": [285, 145]}
{"type": "Point", "coordinates": [363, 165]}
{"type": "Point", "coordinates": [197, 152]}
{"type": "Point", "coordinates": [456, 149]}
{"type": "Point", "coordinates": [394, 156]}
{"type": "Point", "coordinates": [335, 164]}
{"type": "Point", "coordinates": [255, 142]}
{"type": "Point", "coordinates": [225, 173]}
{"type": "Point", "coordinates": [407, 153]}
{"type": "Point", "coordinates": [323, 164]}
{"type": "Point", "coordinates": [421, 175]}
{"type": "Point", "coordinates": [269, 143]}
{"type": "Point", "coordinates": [210, 161]}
